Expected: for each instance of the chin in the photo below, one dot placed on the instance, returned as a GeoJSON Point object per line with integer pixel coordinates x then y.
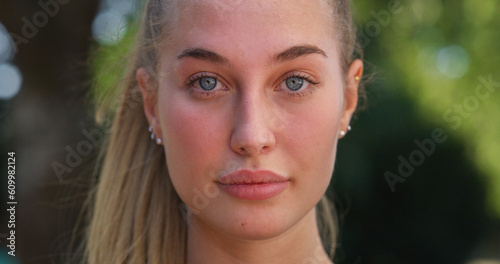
{"type": "Point", "coordinates": [257, 229]}
{"type": "Point", "coordinates": [256, 221]}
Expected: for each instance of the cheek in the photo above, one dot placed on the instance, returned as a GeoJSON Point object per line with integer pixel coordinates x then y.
{"type": "Point", "coordinates": [193, 140]}
{"type": "Point", "coordinates": [311, 140]}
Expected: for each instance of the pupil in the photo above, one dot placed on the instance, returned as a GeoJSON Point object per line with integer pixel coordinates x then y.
{"type": "Point", "coordinates": [208, 83]}
{"type": "Point", "coordinates": [294, 83]}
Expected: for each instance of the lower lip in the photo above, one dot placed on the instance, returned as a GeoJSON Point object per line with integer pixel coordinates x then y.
{"type": "Point", "coordinates": [258, 191]}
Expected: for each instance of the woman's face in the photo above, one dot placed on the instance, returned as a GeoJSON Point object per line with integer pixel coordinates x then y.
{"type": "Point", "coordinates": [251, 87]}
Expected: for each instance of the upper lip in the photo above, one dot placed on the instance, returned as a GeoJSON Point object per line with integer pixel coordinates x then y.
{"type": "Point", "coordinates": [251, 177]}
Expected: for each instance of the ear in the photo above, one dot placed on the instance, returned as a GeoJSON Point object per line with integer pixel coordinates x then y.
{"type": "Point", "coordinates": [148, 90]}
{"type": "Point", "coordinates": [354, 74]}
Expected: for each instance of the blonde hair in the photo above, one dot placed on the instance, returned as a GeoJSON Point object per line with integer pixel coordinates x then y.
{"type": "Point", "coordinates": [136, 215]}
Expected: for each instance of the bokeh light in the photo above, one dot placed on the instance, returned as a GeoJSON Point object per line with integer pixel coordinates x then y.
{"type": "Point", "coordinates": [10, 81]}
{"type": "Point", "coordinates": [112, 21]}
{"type": "Point", "coordinates": [109, 27]}
{"type": "Point", "coordinates": [453, 61]}
{"type": "Point", "coordinates": [6, 49]}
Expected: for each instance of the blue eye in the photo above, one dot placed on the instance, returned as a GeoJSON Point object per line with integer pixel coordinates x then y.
{"type": "Point", "coordinates": [205, 85]}
{"type": "Point", "coordinates": [297, 85]}
{"type": "Point", "coordinates": [208, 83]}
{"type": "Point", "coordinates": [294, 83]}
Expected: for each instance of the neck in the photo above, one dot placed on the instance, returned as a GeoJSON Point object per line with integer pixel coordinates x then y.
{"type": "Point", "coordinates": [298, 245]}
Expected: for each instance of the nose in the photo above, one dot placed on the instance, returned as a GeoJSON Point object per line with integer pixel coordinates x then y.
{"type": "Point", "coordinates": [253, 133]}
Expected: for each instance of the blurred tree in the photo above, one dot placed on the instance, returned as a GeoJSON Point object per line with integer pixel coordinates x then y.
{"type": "Point", "coordinates": [432, 57]}
{"type": "Point", "coordinates": [440, 54]}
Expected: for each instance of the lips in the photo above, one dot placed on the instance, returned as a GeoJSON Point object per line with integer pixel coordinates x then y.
{"type": "Point", "coordinates": [253, 185]}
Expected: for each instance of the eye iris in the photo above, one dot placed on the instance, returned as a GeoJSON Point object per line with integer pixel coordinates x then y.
{"type": "Point", "coordinates": [294, 83]}
{"type": "Point", "coordinates": [208, 83]}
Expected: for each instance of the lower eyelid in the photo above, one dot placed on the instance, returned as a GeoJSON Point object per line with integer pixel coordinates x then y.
{"type": "Point", "coordinates": [194, 90]}
{"type": "Point", "coordinates": [301, 94]}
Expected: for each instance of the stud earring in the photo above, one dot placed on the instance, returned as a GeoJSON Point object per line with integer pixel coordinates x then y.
{"type": "Point", "coordinates": [342, 132]}
{"type": "Point", "coordinates": [151, 131]}
{"type": "Point", "coordinates": [158, 141]}
{"type": "Point", "coordinates": [357, 78]}
{"type": "Point", "coordinates": [349, 128]}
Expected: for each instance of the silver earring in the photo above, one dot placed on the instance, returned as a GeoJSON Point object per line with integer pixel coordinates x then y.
{"type": "Point", "coordinates": [342, 132]}
{"type": "Point", "coordinates": [151, 131]}
{"type": "Point", "coordinates": [158, 141]}
{"type": "Point", "coordinates": [348, 128]}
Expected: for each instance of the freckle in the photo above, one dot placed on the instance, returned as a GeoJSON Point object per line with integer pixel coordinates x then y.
{"type": "Point", "coordinates": [242, 224]}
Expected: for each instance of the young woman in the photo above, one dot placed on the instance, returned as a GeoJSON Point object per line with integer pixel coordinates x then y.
{"type": "Point", "coordinates": [225, 140]}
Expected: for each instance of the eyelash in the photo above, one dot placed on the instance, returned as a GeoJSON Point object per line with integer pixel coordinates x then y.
{"type": "Point", "coordinates": [197, 92]}
{"type": "Point", "coordinates": [301, 94]}
{"type": "Point", "coordinates": [311, 88]}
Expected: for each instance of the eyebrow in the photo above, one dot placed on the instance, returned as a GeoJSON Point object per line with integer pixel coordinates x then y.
{"type": "Point", "coordinates": [286, 55]}
{"type": "Point", "coordinates": [203, 54]}
{"type": "Point", "coordinates": [298, 51]}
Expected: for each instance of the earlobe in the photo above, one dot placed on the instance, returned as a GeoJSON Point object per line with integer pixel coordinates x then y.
{"type": "Point", "coordinates": [353, 79]}
{"type": "Point", "coordinates": [148, 90]}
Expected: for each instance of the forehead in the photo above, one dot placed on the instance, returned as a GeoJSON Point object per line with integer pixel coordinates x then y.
{"type": "Point", "coordinates": [255, 27]}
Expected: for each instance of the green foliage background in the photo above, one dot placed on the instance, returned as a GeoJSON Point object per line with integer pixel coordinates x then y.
{"type": "Point", "coordinates": [407, 53]}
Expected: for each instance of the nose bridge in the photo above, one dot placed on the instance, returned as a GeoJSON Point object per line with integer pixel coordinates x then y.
{"type": "Point", "coordinates": [258, 111]}
{"type": "Point", "coordinates": [252, 109]}
{"type": "Point", "coordinates": [253, 131]}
